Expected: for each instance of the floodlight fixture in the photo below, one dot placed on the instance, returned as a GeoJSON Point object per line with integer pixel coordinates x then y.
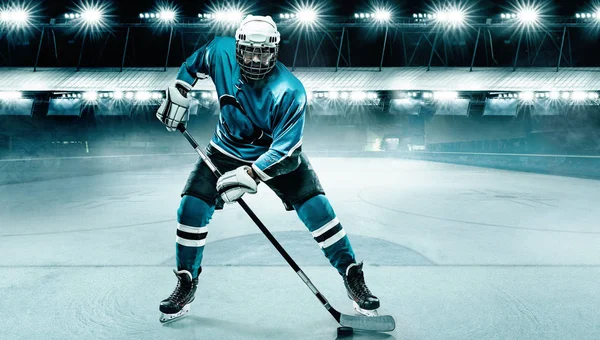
{"type": "Point", "coordinates": [526, 96]}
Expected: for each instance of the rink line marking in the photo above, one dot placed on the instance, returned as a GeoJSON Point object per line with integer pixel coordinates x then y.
{"type": "Point", "coordinates": [84, 230]}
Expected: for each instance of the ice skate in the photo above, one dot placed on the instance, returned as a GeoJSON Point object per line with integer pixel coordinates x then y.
{"type": "Point", "coordinates": [363, 301]}
{"type": "Point", "coordinates": [178, 303]}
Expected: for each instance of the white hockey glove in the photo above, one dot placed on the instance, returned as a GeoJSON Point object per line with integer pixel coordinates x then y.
{"type": "Point", "coordinates": [235, 183]}
{"type": "Point", "coordinates": [174, 109]}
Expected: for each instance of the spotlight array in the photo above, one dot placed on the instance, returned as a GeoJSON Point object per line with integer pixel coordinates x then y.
{"type": "Point", "coordinates": [93, 96]}
{"type": "Point", "coordinates": [424, 17]}
{"type": "Point", "coordinates": [305, 15]}
{"type": "Point", "coordinates": [451, 17]}
{"type": "Point", "coordinates": [87, 16]}
{"type": "Point", "coordinates": [166, 15]}
{"type": "Point", "coordinates": [356, 96]}
{"type": "Point", "coordinates": [287, 15]}
{"type": "Point", "coordinates": [382, 15]}
{"type": "Point", "coordinates": [224, 16]}
{"type": "Point", "coordinates": [595, 15]}
{"type": "Point", "coordinates": [575, 96]}
{"type": "Point", "coordinates": [448, 14]}
{"type": "Point", "coordinates": [526, 16]}
{"type": "Point", "coordinates": [72, 16]}
{"type": "Point", "coordinates": [206, 15]}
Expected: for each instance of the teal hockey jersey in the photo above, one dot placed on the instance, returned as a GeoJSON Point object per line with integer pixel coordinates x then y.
{"type": "Point", "coordinates": [260, 122]}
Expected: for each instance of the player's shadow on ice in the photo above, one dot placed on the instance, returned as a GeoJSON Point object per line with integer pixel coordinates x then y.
{"type": "Point", "coordinates": [367, 335]}
{"type": "Point", "coordinates": [252, 331]}
{"type": "Point", "coordinates": [234, 327]}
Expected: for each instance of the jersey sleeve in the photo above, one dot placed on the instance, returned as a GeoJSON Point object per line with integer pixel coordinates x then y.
{"type": "Point", "coordinates": [283, 154]}
{"type": "Point", "coordinates": [197, 64]}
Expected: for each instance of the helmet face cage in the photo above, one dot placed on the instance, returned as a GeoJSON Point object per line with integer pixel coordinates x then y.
{"type": "Point", "coordinates": [256, 61]}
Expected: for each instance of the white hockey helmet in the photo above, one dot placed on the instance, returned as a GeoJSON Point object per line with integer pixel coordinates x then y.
{"type": "Point", "coordinates": [257, 46]}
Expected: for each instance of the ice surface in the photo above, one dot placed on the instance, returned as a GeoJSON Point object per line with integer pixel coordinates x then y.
{"type": "Point", "coordinates": [453, 252]}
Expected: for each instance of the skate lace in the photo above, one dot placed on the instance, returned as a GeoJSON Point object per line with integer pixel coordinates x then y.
{"type": "Point", "coordinates": [359, 286]}
{"type": "Point", "coordinates": [178, 294]}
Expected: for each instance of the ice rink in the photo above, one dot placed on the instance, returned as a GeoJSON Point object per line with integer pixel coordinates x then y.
{"type": "Point", "coordinates": [453, 252]}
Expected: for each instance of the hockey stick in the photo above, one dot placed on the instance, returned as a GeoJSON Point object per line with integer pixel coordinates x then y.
{"type": "Point", "coordinates": [383, 323]}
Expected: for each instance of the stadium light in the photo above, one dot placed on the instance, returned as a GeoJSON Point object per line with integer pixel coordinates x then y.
{"type": "Point", "coordinates": [593, 95]}
{"type": "Point", "coordinates": [528, 16]}
{"type": "Point", "coordinates": [358, 95]}
{"type": "Point", "coordinates": [423, 17]}
{"type": "Point", "coordinates": [508, 16]}
{"type": "Point", "coordinates": [72, 16]}
{"type": "Point", "coordinates": [118, 95]}
{"type": "Point", "coordinates": [307, 15]}
{"type": "Point", "coordinates": [554, 95]}
{"type": "Point", "coordinates": [378, 14]}
{"type": "Point", "coordinates": [595, 15]}
{"type": "Point", "coordinates": [90, 96]}
{"type": "Point", "coordinates": [143, 96]}
{"type": "Point", "coordinates": [383, 15]}
{"type": "Point", "coordinates": [11, 95]}
{"type": "Point", "coordinates": [92, 16]}
{"type": "Point", "coordinates": [15, 17]}
{"type": "Point", "coordinates": [526, 96]}
{"type": "Point", "coordinates": [579, 96]}
{"type": "Point", "coordinates": [363, 15]}
{"type": "Point", "coordinates": [565, 95]}
{"type": "Point", "coordinates": [166, 15]}
{"type": "Point", "coordinates": [451, 17]}
{"type": "Point", "coordinates": [232, 15]}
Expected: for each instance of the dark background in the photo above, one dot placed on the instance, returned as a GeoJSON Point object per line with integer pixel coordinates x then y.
{"type": "Point", "coordinates": [147, 46]}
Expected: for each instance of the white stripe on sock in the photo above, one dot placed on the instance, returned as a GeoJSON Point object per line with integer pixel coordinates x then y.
{"type": "Point", "coordinates": [333, 239]}
{"type": "Point", "coordinates": [326, 227]}
{"type": "Point", "coordinates": [190, 243]}
{"type": "Point", "coordinates": [192, 230]}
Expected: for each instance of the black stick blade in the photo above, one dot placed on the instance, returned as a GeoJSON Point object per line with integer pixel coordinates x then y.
{"type": "Point", "coordinates": [382, 323]}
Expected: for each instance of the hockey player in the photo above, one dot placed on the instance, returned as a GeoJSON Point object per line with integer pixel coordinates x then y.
{"type": "Point", "coordinates": [258, 138]}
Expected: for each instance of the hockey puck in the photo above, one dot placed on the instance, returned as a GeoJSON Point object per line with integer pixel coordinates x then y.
{"type": "Point", "coordinates": [344, 331]}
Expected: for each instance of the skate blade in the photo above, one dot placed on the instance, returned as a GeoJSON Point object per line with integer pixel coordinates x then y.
{"type": "Point", "coordinates": [365, 312]}
{"type": "Point", "coordinates": [166, 318]}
